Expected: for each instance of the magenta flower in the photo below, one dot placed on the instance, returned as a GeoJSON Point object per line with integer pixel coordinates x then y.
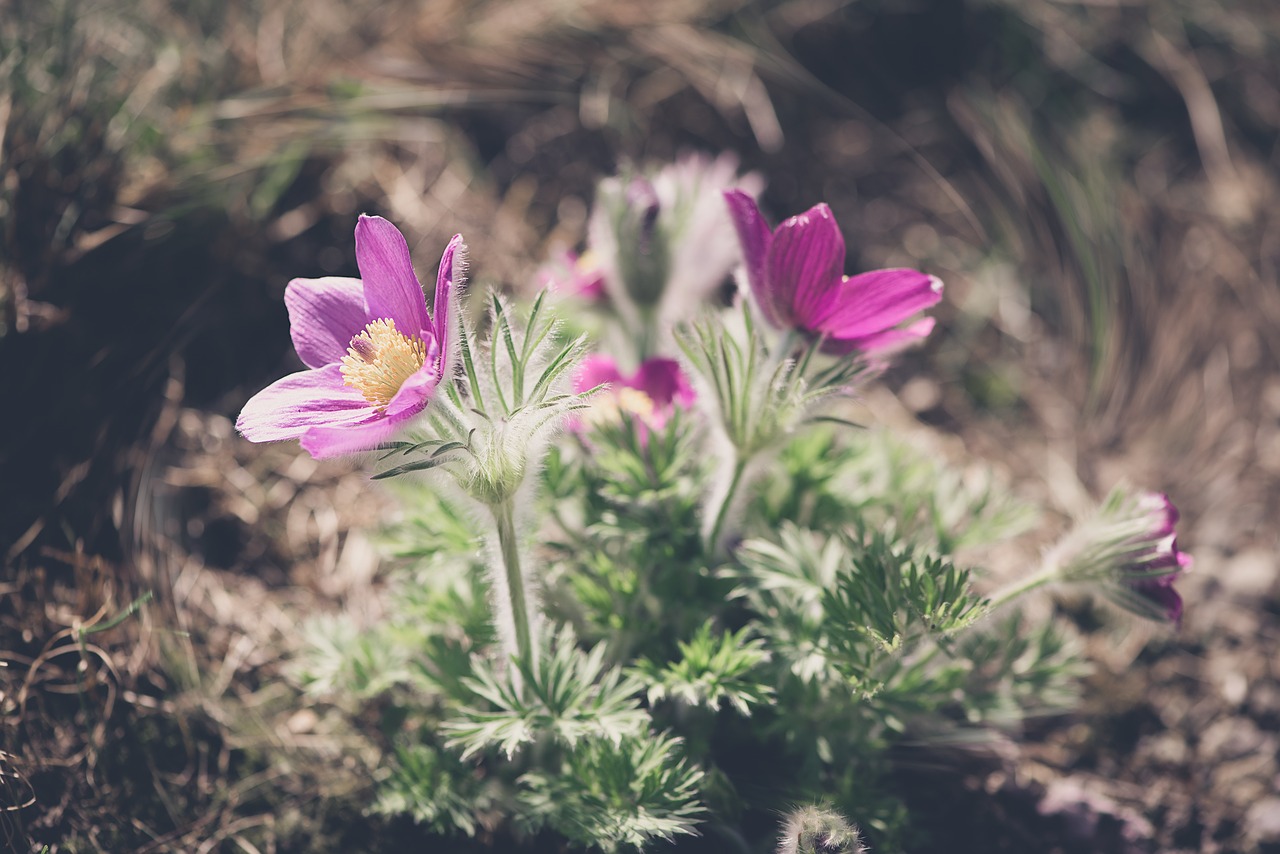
{"type": "Point", "coordinates": [650, 395]}
{"type": "Point", "coordinates": [1130, 549]}
{"type": "Point", "coordinates": [1154, 561]}
{"type": "Point", "coordinates": [796, 274]}
{"type": "Point", "coordinates": [375, 354]}
{"type": "Point", "coordinates": [574, 275]}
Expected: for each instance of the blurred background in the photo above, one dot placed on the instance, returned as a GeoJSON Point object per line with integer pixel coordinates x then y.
{"type": "Point", "coordinates": [1095, 181]}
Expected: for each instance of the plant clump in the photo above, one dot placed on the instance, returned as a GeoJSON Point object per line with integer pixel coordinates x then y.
{"type": "Point", "coordinates": [691, 590]}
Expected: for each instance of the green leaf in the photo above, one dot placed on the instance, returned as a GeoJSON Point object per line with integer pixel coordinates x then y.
{"type": "Point", "coordinates": [713, 669]}
{"type": "Point", "coordinates": [564, 696]}
{"type": "Point", "coordinates": [437, 789]}
{"type": "Point", "coordinates": [618, 795]}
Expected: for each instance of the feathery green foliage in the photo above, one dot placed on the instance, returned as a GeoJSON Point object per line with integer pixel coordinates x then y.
{"type": "Point", "coordinates": [711, 671]}
{"type": "Point", "coordinates": [825, 638]}
{"type": "Point", "coordinates": [625, 618]}
{"type": "Point", "coordinates": [566, 697]}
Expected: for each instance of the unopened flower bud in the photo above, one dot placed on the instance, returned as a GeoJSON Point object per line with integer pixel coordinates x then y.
{"type": "Point", "coordinates": [644, 205]}
{"type": "Point", "coordinates": [819, 830]}
{"type": "Point", "coordinates": [628, 233]}
{"type": "Point", "coordinates": [665, 242]}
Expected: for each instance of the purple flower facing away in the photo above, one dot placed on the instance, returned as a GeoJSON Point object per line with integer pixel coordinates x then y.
{"type": "Point", "coordinates": [1131, 549]}
{"type": "Point", "coordinates": [650, 395]}
{"type": "Point", "coordinates": [1155, 561]}
{"type": "Point", "coordinates": [796, 274]}
{"type": "Point", "coordinates": [373, 351]}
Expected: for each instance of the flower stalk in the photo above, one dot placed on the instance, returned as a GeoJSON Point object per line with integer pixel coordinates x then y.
{"type": "Point", "coordinates": [1046, 574]}
{"type": "Point", "coordinates": [726, 502]}
{"type": "Point", "coordinates": [518, 634]}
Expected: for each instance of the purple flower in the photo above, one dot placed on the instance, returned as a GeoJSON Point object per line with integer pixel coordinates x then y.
{"type": "Point", "coordinates": [375, 354]}
{"type": "Point", "coordinates": [1128, 548]}
{"type": "Point", "coordinates": [1155, 562]}
{"type": "Point", "coordinates": [574, 275]}
{"type": "Point", "coordinates": [796, 274]}
{"type": "Point", "coordinates": [649, 395]}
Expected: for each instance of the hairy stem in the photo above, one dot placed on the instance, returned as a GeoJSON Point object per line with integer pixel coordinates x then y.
{"type": "Point", "coordinates": [509, 550]}
{"type": "Point", "coordinates": [1022, 586]}
{"type": "Point", "coordinates": [717, 528]}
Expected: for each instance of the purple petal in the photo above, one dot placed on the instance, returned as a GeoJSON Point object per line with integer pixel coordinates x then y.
{"type": "Point", "coordinates": [452, 274]}
{"type": "Point", "coordinates": [391, 289]}
{"type": "Point", "coordinates": [324, 442]}
{"type": "Point", "coordinates": [881, 344]}
{"type": "Point", "coordinates": [805, 267]}
{"type": "Point", "coordinates": [291, 406]}
{"type": "Point", "coordinates": [588, 284]}
{"type": "Point", "coordinates": [573, 275]}
{"type": "Point", "coordinates": [664, 382]}
{"type": "Point", "coordinates": [417, 390]}
{"type": "Point", "coordinates": [595, 371]}
{"type": "Point", "coordinates": [754, 235]}
{"type": "Point", "coordinates": [324, 315]}
{"type": "Point", "coordinates": [876, 301]}
{"type": "Point", "coordinates": [1161, 592]}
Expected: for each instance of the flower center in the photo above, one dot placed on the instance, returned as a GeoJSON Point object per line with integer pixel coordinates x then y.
{"type": "Point", "coordinates": [623, 403]}
{"type": "Point", "coordinates": [380, 359]}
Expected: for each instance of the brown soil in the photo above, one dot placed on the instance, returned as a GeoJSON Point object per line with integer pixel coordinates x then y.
{"type": "Point", "coordinates": [1094, 188]}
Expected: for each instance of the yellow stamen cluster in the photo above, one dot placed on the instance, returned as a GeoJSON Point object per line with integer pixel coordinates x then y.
{"type": "Point", "coordinates": [615, 405]}
{"type": "Point", "coordinates": [380, 359]}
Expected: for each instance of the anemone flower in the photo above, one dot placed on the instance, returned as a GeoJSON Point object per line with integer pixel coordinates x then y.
{"type": "Point", "coordinates": [573, 275]}
{"type": "Point", "coordinates": [1129, 548]}
{"type": "Point", "coordinates": [649, 395]}
{"type": "Point", "coordinates": [796, 274]}
{"type": "Point", "coordinates": [1154, 560]}
{"type": "Point", "coordinates": [373, 351]}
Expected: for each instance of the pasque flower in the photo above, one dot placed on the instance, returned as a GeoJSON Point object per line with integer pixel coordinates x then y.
{"type": "Point", "coordinates": [1130, 547]}
{"type": "Point", "coordinates": [1154, 561]}
{"type": "Point", "coordinates": [796, 274]}
{"type": "Point", "coordinates": [649, 395]}
{"type": "Point", "coordinates": [573, 275]}
{"type": "Point", "coordinates": [374, 353]}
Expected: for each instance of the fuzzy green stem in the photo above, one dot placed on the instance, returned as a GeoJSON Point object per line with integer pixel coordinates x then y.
{"type": "Point", "coordinates": [647, 339]}
{"type": "Point", "coordinates": [1012, 591]}
{"type": "Point", "coordinates": [739, 466]}
{"type": "Point", "coordinates": [509, 548]}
